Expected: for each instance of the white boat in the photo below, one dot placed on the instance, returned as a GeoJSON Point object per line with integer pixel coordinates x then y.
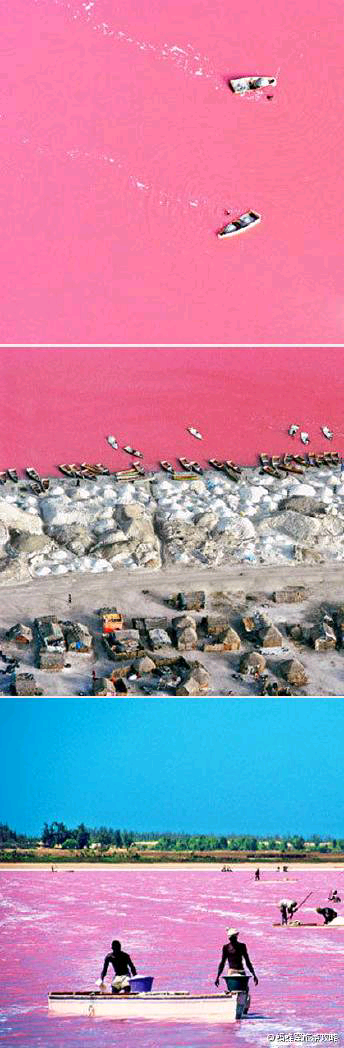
{"type": "Point", "coordinates": [251, 83]}
{"type": "Point", "coordinates": [327, 432]}
{"type": "Point", "coordinates": [250, 218]}
{"type": "Point", "coordinates": [292, 430]}
{"type": "Point", "coordinates": [195, 433]}
{"type": "Point", "coordinates": [112, 441]}
{"type": "Point", "coordinates": [132, 451]}
{"type": "Point", "coordinates": [305, 438]}
{"type": "Point", "coordinates": [160, 1007]}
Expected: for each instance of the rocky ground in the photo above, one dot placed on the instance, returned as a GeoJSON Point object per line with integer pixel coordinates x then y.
{"type": "Point", "coordinates": [158, 522]}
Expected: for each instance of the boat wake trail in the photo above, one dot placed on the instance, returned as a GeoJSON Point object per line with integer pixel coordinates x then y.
{"type": "Point", "coordinates": [187, 59]}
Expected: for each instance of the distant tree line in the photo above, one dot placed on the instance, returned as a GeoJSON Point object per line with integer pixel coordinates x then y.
{"type": "Point", "coordinates": [82, 837]}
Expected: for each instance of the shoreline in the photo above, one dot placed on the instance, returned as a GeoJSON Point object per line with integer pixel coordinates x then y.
{"type": "Point", "coordinates": [139, 866]}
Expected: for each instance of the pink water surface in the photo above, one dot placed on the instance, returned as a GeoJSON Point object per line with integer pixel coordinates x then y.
{"type": "Point", "coordinates": [59, 405]}
{"type": "Point", "coordinates": [122, 147]}
{"type": "Point", "coordinates": [56, 929]}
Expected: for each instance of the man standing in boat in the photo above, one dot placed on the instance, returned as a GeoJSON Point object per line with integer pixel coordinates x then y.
{"type": "Point", "coordinates": [122, 965]}
{"type": "Point", "coordinates": [236, 954]}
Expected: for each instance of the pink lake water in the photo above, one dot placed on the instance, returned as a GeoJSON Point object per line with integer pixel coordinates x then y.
{"type": "Point", "coordinates": [122, 147]}
{"type": "Point", "coordinates": [59, 405]}
{"type": "Point", "coordinates": [56, 930]}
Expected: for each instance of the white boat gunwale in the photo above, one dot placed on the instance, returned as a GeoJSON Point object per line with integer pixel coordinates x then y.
{"type": "Point", "coordinates": [169, 1006]}
{"type": "Point", "coordinates": [232, 229]}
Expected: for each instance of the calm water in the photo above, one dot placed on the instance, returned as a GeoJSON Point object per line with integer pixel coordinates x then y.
{"type": "Point", "coordinates": [56, 929]}
{"type": "Point", "coordinates": [122, 147]}
{"type": "Point", "coordinates": [58, 405]}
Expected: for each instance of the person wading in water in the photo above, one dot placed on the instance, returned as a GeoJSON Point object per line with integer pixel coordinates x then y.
{"type": "Point", "coordinates": [122, 965]}
{"type": "Point", "coordinates": [236, 954]}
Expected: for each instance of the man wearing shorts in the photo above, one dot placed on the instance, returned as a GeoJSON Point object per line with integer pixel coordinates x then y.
{"type": "Point", "coordinates": [123, 967]}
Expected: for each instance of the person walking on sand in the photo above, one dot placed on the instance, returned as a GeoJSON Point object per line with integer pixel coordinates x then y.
{"type": "Point", "coordinates": [236, 954]}
{"type": "Point", "coordinates": [122, 965]}
{"type": "Point", "coordinates": [257, 875]}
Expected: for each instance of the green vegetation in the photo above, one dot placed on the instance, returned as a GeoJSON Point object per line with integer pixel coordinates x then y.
{"type": "Point", "coordinates": [115, 845]}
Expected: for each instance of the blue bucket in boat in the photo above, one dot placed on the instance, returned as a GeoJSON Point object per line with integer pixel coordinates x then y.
{"type": "Point", "coordinates": [141, 984]}
{"type": "Point", "coordinates": [236, 982]}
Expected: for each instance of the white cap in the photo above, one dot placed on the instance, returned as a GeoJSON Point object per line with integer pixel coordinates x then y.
{"type": "Point", "coordinates": [232, 931]}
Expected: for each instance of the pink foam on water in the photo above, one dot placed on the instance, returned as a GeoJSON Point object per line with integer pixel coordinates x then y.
{"type": "Point", "coordinates": [56, 930]}
{"type": "Point", "coordinates": [122, 147]}
{"type": "Point", "coordinates": [59, 405]}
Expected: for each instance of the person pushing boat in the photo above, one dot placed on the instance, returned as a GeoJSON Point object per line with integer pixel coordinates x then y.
{"type": "Point", "coordinates": [123, 966]}
{"type": "Point", "coordinates": [236, 954]}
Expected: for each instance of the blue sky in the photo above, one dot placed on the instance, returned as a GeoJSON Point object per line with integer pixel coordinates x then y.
{"type": "Point", "coordinates": [204, 765]}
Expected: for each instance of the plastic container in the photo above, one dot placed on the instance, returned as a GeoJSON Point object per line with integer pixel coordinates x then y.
{"type": "Point", "coordinates": [236, 982]}
{"type": "Point", "coordinates": [141, 984]}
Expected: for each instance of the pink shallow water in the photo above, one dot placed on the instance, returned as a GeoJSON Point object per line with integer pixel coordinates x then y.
{"type": "Point", "coordinates": [59, 405]}
{"type": "Point", "coordinates": [57, 928]}
{"type": "Point", "coordinates": [121, 147]}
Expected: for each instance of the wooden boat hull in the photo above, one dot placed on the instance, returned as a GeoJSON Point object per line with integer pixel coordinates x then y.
{"type": "Point", "coordinates": [154, 1007]}
{"type": "Point", "coordinates": [249, 83]}
{"type": "Point", "coordinates": [240, 225]}
{"type": "Point", "coordinates": [337, 923]}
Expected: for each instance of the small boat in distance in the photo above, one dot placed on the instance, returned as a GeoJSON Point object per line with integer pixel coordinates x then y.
{"type": "Point", "coordinates": [32, 474]}
{"type": "Point", "coordinates": [216, 464]}
{"type": "Point", "coordinates": [293, 429]}
{"type": "Point", "coordinates": [112, 441]}
{"type": "Point", "coordinates": [12, 475]}
{"type": "Point", "coordinates": [131, 451]}
{"type": "Point", "coordinates": [305, 438]}
{"type": "Point", "coordinates": [68, 470]}
{"type": "Point", "coordinates": [166, 466]}
{"type": "Point", "coordinates": [195, 432]}
{"type": "Point", "coordinates": [233, 466]}
{"type": "Point", "coordinates": [246, 221]}
{"type": "Point", "coordinates": [130, 474]}
{"type": "Point", "coordinates": [327, 432]}
{"type": "Point", "coordinates": [190, 464]}
{"type": "Point", "coordinates": [251, 83]}
{"type": "Point", "coordinates": [45, 483]}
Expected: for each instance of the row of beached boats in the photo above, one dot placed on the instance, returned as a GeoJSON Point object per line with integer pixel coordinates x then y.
{"type": "Point", "coordinates": [275, 465]}
{"type": "Point", "coordinates": [40, 483]}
